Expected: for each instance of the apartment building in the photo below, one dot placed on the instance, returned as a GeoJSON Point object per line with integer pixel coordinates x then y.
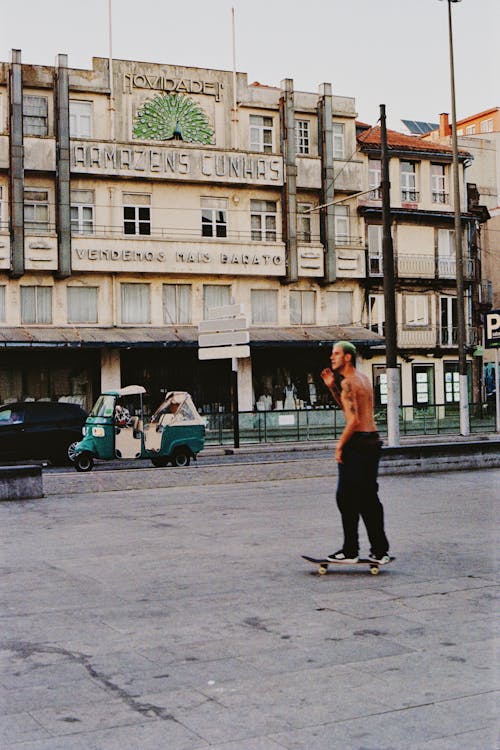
{"type": "Point", "coordinates": [136, 196]}
{"type": "Point", "coordinates": [422, 217]}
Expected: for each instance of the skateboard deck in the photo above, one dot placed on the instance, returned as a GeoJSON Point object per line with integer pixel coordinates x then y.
{"type": "Point", "coordinates": [323, 564]}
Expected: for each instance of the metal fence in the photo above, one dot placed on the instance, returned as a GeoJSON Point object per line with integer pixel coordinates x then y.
{"type": "Point", "coordinates": [304, 425]}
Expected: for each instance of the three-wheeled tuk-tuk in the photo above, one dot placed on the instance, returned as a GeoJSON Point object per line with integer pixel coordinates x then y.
{"type": "Point", "coordinates": [115, 430]}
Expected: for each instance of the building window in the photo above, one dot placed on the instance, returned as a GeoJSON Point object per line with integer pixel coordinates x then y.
{"type": "Point", "coordinates": [438, 183]}
{"type": "Point", "coordinates": [486, 126]}
{"type": "Point", "coordinates": [36, 304]}
{"type": "Point", "coordinates": [409, 181]}
{"type": "Point", "coordinates": [302, 136]}
{"type": "Point", "coordinates": [375, 258]}
{"type": "Point", "coordinates": [36, 210]}
{"type": "Point", "coordinates": [35, 115]}
{"type": "Point", "coordinates": [448, 321]}
{"type": "Point", "coordinates": [261, 133]}
{"type": "Point", "coordinates": [376, 313]}
{"type": "Point", "coordinates": [338, 141]}
{"type": "Point", "coordinates": [302, 307]}
{"type": "Point", "coordinates": [214, 217]}
{"type": "Point", "coordinates": [1, 209]}
{"type": "Point", "coordinates": [451, 383]}
{"type": "Point", "coordinates": [423, 385]}
{"type": "Point", "coordinates": [215, 295]}
{"type": "Point", "coordinates": [136, 213]}
{"type": "Point", "coordinates": [339, 308]}
{"type": "Point", "coordinates": [374, 178]}
{"type": "Point", "coordinates": [82, 304]}
{"type": "Point", "coordinates": [341, 224]}
{"type": "Point", "coordinates": [80, 119]}
{"type": "Point", "coordinates": [2, 303]}
{"type": "Point", "coordinates": [416, 310]}
{"type": "Point", "coordinates": [446, 253]}
{"type": "Point", "coordinates": [263, 219]}
{"type": "Point", "coordinates": [176, 304]}
{"type": "Point", "coordinates": [264, 306]}
{"type": "Point", "coordinates": [135, 303]}
{"type": "Point", "coordinates": [304, 222]}
{"type": "Point", "coordinates": [380, 385]}
{"type": "Point", "coordinates": [82, 211]}
{"type": "Point", "coordinates": [470, 130]}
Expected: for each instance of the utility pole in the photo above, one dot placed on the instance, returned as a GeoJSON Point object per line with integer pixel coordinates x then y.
{"type": "Point", "coordinates": [392, 372]}
{"type": "Point", "coordinates": [461, 335]}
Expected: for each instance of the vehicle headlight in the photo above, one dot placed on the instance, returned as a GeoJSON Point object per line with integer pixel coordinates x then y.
{"type": "Point", "coordinates": [98, 431]}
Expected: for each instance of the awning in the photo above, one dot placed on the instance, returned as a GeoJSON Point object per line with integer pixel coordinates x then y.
{"type": "Point", "coordinates": [176, 336]}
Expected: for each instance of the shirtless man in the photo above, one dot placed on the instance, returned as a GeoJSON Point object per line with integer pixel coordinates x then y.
{"type": "Point", "coordinates": [358, 455]}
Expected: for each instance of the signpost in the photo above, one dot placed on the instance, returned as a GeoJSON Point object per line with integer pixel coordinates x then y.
{"type": "Point", "coordinates": [492, 341]}
{"type": "Point", "coordinates": [225, 335]}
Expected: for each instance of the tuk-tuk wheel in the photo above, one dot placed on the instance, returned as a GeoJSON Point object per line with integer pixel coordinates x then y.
{"type": "Point", "coordinates": [181, 457]}
{"type": "Point", "coordinates": [159, 461]}
{"type": "Point", "coordinates": [84, 462]}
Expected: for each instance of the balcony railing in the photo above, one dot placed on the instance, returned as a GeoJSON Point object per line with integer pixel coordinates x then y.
{"type": "Point", "coordinates": [410, 196]}
{"type": "Point", "coordinates": [430, 337]}
{"type": "Point", "coordinates": [440, 197]}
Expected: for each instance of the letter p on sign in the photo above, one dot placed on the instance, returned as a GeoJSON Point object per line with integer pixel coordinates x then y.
{"type": "Point", "coordinates": [492, 329]}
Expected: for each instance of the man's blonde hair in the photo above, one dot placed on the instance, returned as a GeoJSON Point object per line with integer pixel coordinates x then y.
{"type": "Point", "coordinates": [348, 348]}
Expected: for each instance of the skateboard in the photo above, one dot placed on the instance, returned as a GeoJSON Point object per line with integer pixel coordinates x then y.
{"type": "Point", "coordinates": [323, 564]}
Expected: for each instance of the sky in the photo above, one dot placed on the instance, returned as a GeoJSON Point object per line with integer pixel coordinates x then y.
{"type": "Point", "coordinates": [392, 52]}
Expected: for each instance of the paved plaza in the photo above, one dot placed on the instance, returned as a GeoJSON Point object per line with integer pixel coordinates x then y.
{"type": "Point", "coordinates": [169, 609]}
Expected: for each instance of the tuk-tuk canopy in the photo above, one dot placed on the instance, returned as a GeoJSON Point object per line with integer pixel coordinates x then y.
{"type": "Point", "coordinates": [180, 408]}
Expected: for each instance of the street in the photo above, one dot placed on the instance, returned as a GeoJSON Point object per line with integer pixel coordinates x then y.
{"type": "Point", "coordinates": [170, 609]}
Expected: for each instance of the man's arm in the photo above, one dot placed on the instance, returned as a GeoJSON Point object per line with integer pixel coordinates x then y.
{"type": "Point", "coordinates": [332, 385]}
{"type": "Point", "coordinates": [351, 412]}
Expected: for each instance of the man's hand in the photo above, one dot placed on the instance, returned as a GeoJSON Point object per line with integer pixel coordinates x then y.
{"type": "Point", "coordinates": [328, 377]}
{"type": "Point", "coordinates": [338, 454]}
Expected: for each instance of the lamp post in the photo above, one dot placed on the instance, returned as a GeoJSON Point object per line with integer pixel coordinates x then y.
{"type": "Point", "coordinates": [461, 337]}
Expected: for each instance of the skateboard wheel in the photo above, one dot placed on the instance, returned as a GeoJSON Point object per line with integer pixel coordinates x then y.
{"type": "Point", "coordinates": [322, 570]}
{"type": "Point", "coordinates": [374, 570]}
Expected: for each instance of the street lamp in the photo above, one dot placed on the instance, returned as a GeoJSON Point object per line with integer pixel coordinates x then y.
{"type": "Point", "coordinates": [461, 338]}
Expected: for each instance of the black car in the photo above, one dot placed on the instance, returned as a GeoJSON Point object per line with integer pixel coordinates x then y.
{"type": "Point", "coordinates": [40, 430]}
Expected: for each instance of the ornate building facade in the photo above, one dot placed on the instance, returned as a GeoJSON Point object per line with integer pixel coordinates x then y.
{"type": "Point", "coordinates": [136, 196]}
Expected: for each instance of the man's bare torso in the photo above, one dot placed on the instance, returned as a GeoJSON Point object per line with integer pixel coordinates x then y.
{"type": "Point", "coordinates": [357, 400]}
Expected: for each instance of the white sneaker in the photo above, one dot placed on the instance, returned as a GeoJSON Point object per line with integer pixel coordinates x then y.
{"type": "Point", "coordinates": [342, 558]}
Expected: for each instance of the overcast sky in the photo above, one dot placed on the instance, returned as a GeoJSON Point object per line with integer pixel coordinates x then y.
{"type": "Point", "coordinates": [392, 52]}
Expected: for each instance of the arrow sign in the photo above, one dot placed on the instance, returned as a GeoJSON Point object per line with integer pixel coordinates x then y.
{"type": "Point", "coordinates": [229, 338]}
{"type": "Point", "coordinates": [224, 352]}
{"type": "Point", "coordinates": [225, 334]}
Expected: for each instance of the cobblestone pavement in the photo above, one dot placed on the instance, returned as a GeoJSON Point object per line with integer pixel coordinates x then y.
{"type": "Point", "coordinates": [170, 610]}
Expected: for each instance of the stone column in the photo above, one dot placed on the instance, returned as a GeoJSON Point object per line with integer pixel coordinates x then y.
{"type": "Point", "coordinates": [110, 370]}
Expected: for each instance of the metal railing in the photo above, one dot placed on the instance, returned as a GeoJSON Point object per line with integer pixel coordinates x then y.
{"type": "Point", "coordinates": [305, 425]}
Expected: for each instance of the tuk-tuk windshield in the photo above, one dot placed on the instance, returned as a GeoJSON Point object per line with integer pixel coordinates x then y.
{"type": "Point", "coordinates": [103, 407]}
{"type": "Point", "coordinates": [176, 409]}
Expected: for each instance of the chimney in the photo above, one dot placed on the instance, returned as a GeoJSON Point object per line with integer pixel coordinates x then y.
{"type": "Point", "coordinates": [444, 125]}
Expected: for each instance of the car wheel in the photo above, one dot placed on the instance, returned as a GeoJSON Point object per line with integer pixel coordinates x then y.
{"type": "Point", "coordinates": [71, 453]}
{"type": "Point", "coordinates": [181, 457]}
{"type": "Point", "coordinates": [158, 462]}
{"type": "Point", "coordinates": [83, 462]}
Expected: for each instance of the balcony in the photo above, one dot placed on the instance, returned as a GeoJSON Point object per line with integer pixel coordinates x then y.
{"type": "Point", "coordinates": [428, 337]}
{"type": "Point", "coordinates": [422, 267]}
{"type": "Point", "coordinates": [409, 195]}
{"type": "Point", "coordinates": [431, 337]}
{"type": "Point", "coordinates": [440, 198]}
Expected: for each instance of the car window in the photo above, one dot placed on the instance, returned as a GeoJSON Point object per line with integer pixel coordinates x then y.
{"type": "Point", "coordinates": [43, 413]}
{"type": "Point", "coordinates": [11, 415]}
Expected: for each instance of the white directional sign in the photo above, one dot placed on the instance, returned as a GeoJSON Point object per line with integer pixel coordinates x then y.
{"type": "Point", "coordinates": [224, 352]}
{"type": "Point", "coordinates": [225, 334]}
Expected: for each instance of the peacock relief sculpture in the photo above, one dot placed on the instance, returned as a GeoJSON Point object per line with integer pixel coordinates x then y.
{"type": "Point", "coordinates": [172, 116]}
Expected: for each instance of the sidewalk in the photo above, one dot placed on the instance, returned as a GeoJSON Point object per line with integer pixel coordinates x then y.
{"type": "Point", "coordinates": [183, 618]}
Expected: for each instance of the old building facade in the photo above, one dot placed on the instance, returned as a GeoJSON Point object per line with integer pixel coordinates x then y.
{"type": "Point", "coordinates": [136, 196]}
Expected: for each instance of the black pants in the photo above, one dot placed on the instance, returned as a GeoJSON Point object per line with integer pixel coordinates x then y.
{"type": "Point", "coordinates": [357, 493]}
